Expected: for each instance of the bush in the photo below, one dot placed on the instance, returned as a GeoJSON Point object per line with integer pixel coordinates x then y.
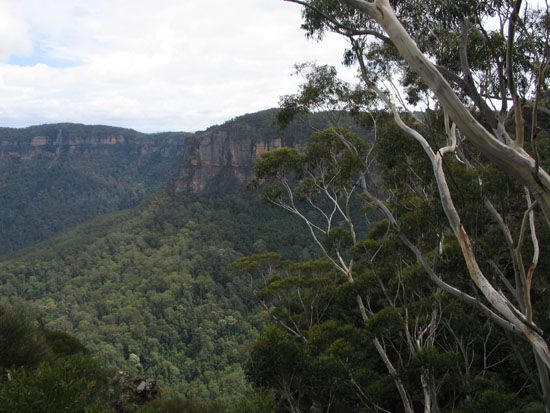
{"type": "Point", "coordinates": [22, 344]}
{"type": "Point", "coordinates": [63, 344]}
{"type": "Point", "coordinates": [69, 384]}
{"type": "Point", "coordinates": [179, 406]}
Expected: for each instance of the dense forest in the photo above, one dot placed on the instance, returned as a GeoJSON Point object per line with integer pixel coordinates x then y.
{"type": "Point", "coordinates": [396, 270]}
{"type": "Point", "coordinates": [441, 305]}
{"type": "Point", "coordinates": [149, 290]}
{"type": "Point", "coordinates": [155, 282]}
{"type": "Point", "coordinates": [339, 322]}
{"type": "Point", "coordinates": [55, 176]}
{"type": "Point", "coordinates": [187, 289]}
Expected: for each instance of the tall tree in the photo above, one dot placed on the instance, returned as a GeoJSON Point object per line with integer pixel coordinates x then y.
{"type": "Point", "coordinates": [414, 329]}
{"type": "Point", "coordinates": [485, 77]}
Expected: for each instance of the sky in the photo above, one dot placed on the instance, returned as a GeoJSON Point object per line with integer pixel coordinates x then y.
{"type": "Point", "coordinates": [149, 65]}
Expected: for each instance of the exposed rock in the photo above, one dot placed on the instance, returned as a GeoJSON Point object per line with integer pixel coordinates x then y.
{"type": "Point", "coordinates": [135, 392]}
{"type": "Point", "coordinates": [56, 176]}
{"type": "Point", "coordinates": [52, 141]}
{"type": "Point", "coordinates": [223, 156]}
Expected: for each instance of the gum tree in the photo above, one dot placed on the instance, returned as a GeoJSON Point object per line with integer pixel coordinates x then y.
{"type": "Point", "coordinates": [484, 66]}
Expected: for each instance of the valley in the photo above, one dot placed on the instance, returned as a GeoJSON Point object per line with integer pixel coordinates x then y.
{"type": "Point", "coordinates": [53, 177]}
{"type": "Point", "coordinates": [376, 242]}
{"type": "Point", "coordinates": [155, 280]}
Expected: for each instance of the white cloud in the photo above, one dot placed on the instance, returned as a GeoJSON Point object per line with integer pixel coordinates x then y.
{"type": "Point", "coordinates": [165, 65]}
{"type": "Point", "coordinates": [14, 32]}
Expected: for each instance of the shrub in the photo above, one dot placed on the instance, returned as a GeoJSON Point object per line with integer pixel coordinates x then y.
{"type": "Point", "coordinates": [22, 344]}
{"type": "Point", "coordinates": [70, 384]}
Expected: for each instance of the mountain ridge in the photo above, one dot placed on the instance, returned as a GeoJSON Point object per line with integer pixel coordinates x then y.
{"type": "Point", "coordinates": [155, 280]}
{"type": "Point", "coordinates": [56, 176]}
{"type": "Point", "coordinates": [222, 157]}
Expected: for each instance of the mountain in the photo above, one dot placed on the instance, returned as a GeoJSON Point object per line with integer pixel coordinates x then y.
{"type": "Point", "coordinates": [154, 281]}
{"type": "Point", "coordinates": [222, 158]}
{"type": "Point", "coordinates": [55, 176]}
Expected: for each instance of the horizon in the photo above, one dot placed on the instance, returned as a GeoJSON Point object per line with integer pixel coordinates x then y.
{"type": "Point", "coordinates": [137, 130]}
{"type": "Point", "coordinates": [150, 67]}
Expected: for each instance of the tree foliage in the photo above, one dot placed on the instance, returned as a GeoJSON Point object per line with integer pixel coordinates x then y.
{"type": "Point", "coordinates": [154, 282]}
{"type": "Point", "coordinates": [476, 82]}
{"type": "Point", "coordinates": [77, 174]}
{"type": "Point", "coordinates": [422, 328]}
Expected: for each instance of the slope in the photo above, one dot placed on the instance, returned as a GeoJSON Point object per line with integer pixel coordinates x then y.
{"type": "Point", "coordinates": [149, 289]}
{"type": "Point", "coordinates": [55, 176]}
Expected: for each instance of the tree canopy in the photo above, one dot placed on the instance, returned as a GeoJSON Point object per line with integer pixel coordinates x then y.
{"type": "Point", "coordinates": [466, 83]}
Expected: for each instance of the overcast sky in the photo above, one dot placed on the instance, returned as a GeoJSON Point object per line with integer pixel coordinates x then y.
{"type": "Point", "coordinates": [149, 65]}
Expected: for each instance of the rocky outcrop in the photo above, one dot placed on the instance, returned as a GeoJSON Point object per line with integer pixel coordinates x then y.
{"type": "Point", "coordinates": [222, 157]}
{"type": "Point", "coordinates": [52, 141]}
{"type": "Point", "coordinates": [134, 392]}
{"type": "Point", "coordinates": [56, 176]}
{"type": "Point", "coordinates": [218, 157]}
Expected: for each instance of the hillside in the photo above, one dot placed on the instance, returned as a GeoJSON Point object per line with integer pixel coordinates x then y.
{"type": "Point", "coordinates": [56, 176]}
{"type": "Point", "coordinates": [222, 157]}
{"type": "Point", "coordinates": [154, 280]}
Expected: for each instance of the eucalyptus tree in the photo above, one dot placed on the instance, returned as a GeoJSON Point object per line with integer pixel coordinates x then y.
{"type": "Point", "coordinates": [415, 329]}
{"type": "Point", "coordinates": [485, 66]}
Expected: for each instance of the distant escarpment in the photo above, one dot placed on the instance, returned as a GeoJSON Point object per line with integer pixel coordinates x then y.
{"type": "Point", "coordinates": [222, 157]}
{"type": "Point", "coordinates": [55, 176]}
{"type": "Point", "coordinates": [56, 140]}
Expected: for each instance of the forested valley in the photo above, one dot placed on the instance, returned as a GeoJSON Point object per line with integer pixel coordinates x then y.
{"type": "Point", "coordinates": [53, 177]}
{"type": "Point", "coordinates": [377, 246]}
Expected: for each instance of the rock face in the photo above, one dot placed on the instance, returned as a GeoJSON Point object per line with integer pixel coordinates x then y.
{"type": "Point", "coordinates": [222, 157]}
{"type": "Point", "coordinates": [55, 140]}
{"type": "Point", "coordinates": [56, 176]}
{"type": "Point", "coordinates": [134, 392]}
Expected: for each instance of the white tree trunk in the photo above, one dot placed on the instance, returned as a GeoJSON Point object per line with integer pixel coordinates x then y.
{"type": "Point", "coordinates": [511, 159]}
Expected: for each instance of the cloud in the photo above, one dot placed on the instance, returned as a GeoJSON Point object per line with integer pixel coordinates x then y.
{"type": "Point", "coordinates": [14, 32]}
{"type": "Point", "coordinates": [169, 65]}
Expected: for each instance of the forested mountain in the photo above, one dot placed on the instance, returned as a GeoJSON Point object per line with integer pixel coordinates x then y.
{"type": "Point", "coordinates": [221, 159]}
{"type": "Point", "coordinates": [398, 270]}
{"type": "Point", "coordinates": [155, 281]}
{"type": "Point", "coordinates": [55, 176]}
{"type": "Point", "coordinates": [186, 288]}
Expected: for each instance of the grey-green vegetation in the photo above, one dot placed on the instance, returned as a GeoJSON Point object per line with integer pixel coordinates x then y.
{"type": "Point", "coordinates": [481, 76]}
{"type": "Point", "coordinates": [154, 282]}
{"type": "Point", "coordinates": [56, 176]}
{"type": "Point", "coordinates": [404, 273]}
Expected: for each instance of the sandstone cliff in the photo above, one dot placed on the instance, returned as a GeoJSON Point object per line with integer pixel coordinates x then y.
{"type": "Point", "coordinates": [222, 157]}
{"type": "Point", "coordinates": [52, 141]}
{"type": "Point", "coordinates": [55, 176]}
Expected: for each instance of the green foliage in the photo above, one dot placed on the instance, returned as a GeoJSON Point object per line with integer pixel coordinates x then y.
{"type": "Point", "coordinates": [315, 317]}
{"type": "Point", "coordinates": [282, 161]}
{"type": "Point", "coordinates": [70, 384]}
{"type": "Point", "coordinates": [155, 282]}
{"type": "Point", "coordinates": [77, 174]}
{"type": "Point", "coordinates": [48, 371]}
{"type": "Point", "coordinates": [22, 344]}
{"type": "Point", "coordinates": [180, 406]}
{"type": "Point", "coordinates": [63, 344]}
{"type": "Point", "coordinates": [256, 262]}
{"type": "Point", "coordinates": [252, 401]}
{"type": "Point", "coordinates": [276, 357]}
{"type": "Point", "coordinates": [323, 91]}
{"type": "Point", "coordinates": [436, 27]}
{"type": "Point", "coordinates": [490, 396]}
